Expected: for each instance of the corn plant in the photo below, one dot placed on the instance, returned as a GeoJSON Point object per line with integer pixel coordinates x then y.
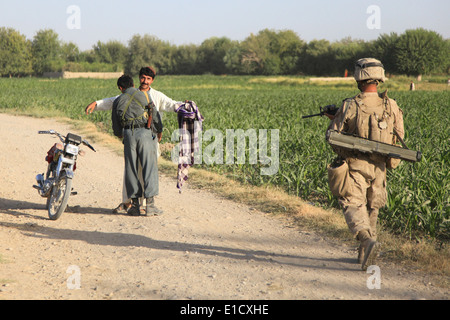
{"type": "Point", "coordinates": [418, 194]}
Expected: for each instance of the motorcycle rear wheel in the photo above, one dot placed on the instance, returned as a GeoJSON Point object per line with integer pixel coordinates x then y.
{"type": "Point", "coordinates": [59, 197]}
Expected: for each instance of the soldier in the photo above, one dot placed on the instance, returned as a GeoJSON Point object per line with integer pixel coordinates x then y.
{"type": "Point", "coordinates": [374, 116]}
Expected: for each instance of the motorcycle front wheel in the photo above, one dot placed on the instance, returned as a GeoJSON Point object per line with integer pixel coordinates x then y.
{"type": "Point", "coordinates": [59, 197]}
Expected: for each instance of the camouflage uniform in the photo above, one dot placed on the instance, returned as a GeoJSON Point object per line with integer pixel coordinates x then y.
{"type": "Point", "coordinates": [363, 116]}
{"type": "Point", "coordinates": [373, 116]}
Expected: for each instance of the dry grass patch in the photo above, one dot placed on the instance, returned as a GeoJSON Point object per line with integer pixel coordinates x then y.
{"type": "Point", "coordinates": [423, 255]}
{"type": "Point", "coordinates": [426, 255]}
{"type": "Point", "coordinates": [429, 256]}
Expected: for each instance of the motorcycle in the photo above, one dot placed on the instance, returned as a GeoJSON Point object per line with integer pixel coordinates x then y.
{"type": "Point", "coordinates": [56, 186]}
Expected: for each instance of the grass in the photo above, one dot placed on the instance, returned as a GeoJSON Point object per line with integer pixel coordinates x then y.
{"type": "Point", "coordinates": [418, 207]}
{"type": "Point", "coordinates": [425, 255]}
{"type": "Point", "coordinates": [418, 194]}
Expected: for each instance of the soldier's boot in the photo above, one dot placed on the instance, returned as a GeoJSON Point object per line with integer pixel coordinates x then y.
{"type": "Point", "coordinates": [151, 209]}
{"type": "Point", "coordinates": [134, 209]}
{"type": "Point", "coordinates": [373, 218]}
{"type": "Point", "coordinates": [370, 249]}
{"type": "Point", "coordinates": [360, 254]}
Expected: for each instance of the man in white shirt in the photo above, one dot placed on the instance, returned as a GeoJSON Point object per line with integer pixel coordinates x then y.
{"type": "Point", "coordinates": [162, 102]}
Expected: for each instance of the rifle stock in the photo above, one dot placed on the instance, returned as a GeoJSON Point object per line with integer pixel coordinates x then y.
{"type": "Point", "coordinates": [150, 107]}
{"type": "Point", "coordinates": [351, 142]}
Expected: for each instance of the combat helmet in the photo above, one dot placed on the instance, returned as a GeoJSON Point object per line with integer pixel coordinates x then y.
{"type": "Point", "coordinates": [369, 69]}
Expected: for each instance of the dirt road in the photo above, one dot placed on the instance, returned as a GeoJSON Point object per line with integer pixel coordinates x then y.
{"type": "Point", "coordinates": [202, 248]}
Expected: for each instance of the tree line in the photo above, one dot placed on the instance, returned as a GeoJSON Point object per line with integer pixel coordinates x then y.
{"type": "Point", "coordinates": [415, 52]}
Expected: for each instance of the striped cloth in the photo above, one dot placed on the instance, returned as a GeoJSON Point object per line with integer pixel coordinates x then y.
{"type": "Point", "coordinates": [190, 124]}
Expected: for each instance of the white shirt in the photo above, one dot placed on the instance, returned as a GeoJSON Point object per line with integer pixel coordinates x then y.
{"type": "Point", "coordinates": [161, 101]}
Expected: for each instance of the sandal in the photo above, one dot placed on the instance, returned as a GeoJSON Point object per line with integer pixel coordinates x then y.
{"type": "Point", "coordinates": [122, 208]}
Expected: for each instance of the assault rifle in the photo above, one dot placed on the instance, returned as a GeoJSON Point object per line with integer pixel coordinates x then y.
{"type": "Point", "coordinates": [330, 109]}
{"type": "Point", "coordinates": [351, 142]}
{"type": "Point", "coordinates": [150, 107]}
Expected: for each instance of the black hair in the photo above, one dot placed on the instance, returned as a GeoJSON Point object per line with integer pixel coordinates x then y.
{"type": "Point", "coordinates": [125, 82]}
{"type": "Point", "coordinates": [148, 71]}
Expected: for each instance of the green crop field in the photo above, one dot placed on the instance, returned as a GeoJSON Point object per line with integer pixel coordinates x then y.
{"type": "Point", "coordinates": [418, 203]}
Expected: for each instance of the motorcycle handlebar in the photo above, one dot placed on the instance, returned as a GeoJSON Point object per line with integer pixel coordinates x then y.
{"type": "Point", "coordinates": [88, 145]}
{"type": "Point", "coordinates": [61, 137]}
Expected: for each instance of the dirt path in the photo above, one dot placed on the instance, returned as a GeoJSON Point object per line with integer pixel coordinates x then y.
{"type": "Point", "coordinates": [203, 247]}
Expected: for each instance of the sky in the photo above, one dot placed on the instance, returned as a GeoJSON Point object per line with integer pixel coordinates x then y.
{"type": "Point", "coordinates": [182, 22]}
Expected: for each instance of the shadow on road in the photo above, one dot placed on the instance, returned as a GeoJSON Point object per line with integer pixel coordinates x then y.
{"type": "Point", "coordinates": [134, 240]}
{"type": "Point", "coordinates": [17, 207]}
